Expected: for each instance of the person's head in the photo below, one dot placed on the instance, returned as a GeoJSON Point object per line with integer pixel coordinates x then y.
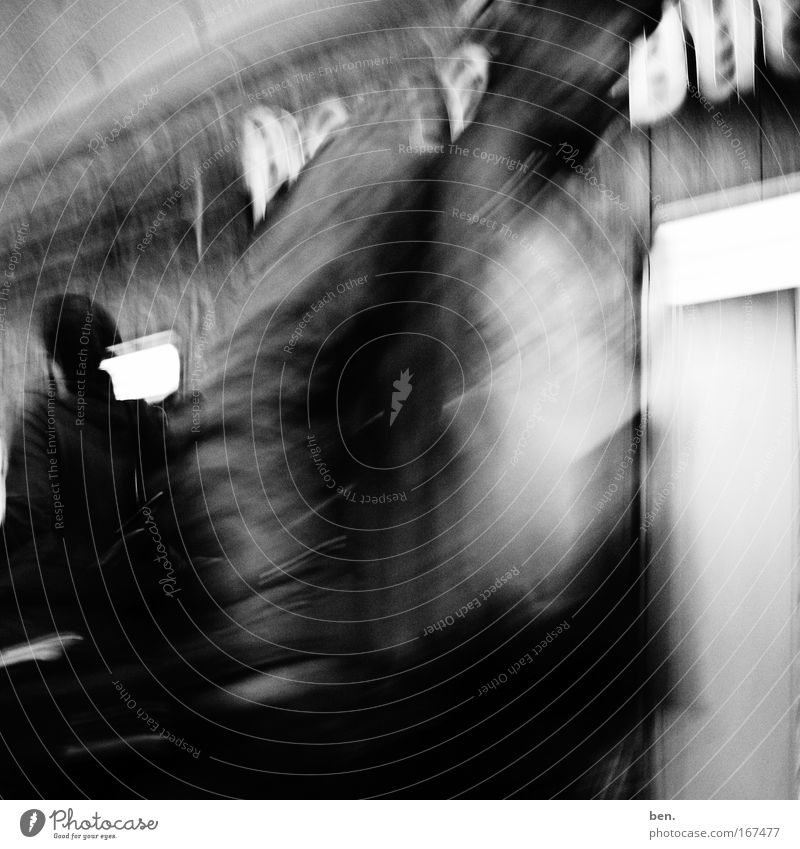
{"type": "Point", "coordinates": [76, 332]}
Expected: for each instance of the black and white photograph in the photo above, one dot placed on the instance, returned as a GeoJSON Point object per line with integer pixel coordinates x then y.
{"type": "Point", "coordinates": [399, 401]}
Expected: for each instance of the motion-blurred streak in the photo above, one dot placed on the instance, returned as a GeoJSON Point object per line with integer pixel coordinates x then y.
{"type": "Point", "coordinates": [272, 155]}
{"type": "Point", "coordinates": [464, 77]}
{"type": "Point", "coordinates": [724, 36]}
{"type": "Point", "coordinates": [189, 55]}
{"type": "Point", "coordinates": [356, 282]}
{"type": "Point", "coordinates": [657, 75]}
{"type": "Point", "coordinates": [52, 174]}
{"type": "Point", "coordinates": [518, 225]}
{"type": "Point", "coordinates": [252, 508]}
{"type": "Point", "coordinates": [316, 537]}
{"type": "Point", "coordinates": [780, 27]}
{"type": "Point", "coordinates": [521, 459]}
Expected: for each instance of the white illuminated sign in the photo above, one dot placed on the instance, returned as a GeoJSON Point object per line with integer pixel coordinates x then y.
{"type": "Point", "coordinates": [148, 368]}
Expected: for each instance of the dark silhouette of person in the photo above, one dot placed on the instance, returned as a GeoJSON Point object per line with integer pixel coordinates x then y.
{"type": "Point", "coordinates": [75, 470]}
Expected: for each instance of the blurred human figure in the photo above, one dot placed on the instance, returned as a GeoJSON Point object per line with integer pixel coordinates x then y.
{"type": "Point", "coordinates": [328, 535]}
{"type": "Point", "coordinates": [74, 470]}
